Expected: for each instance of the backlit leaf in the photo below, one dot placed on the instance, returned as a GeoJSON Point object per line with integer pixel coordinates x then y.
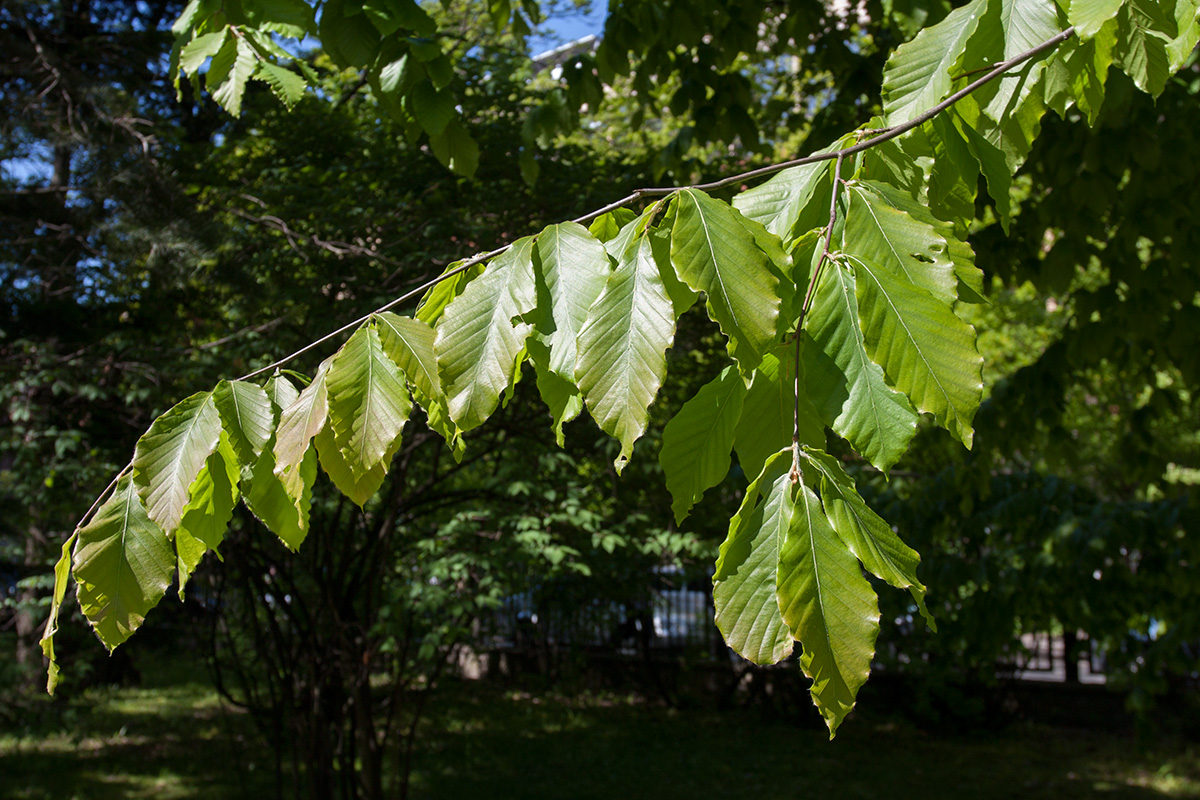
{"type": "Point", "coordinates": [828, 605]}
{"type": "Point", "coordinates": [871, 540]}
{"type": "Point", "coordinates": [299, 423]}
{"type": "Point", "coordinates": [697, 441]}
{"type": "Point", "coordinates": [925, 350]}
{"type": "Point", "coordinates": [210, 507]}
{"type": "Point", "coordinates": [62, 573]}
{"type": "Point", "coordinates": [744, 584]}
{"type": "Point", "coordinates": [623, 343]}
{"type": "Point", "coordinates": [481, 335]}
{"type": "Point", "coordinates": [246, 416]}
{"type": "Point", "coordinates": [282, 506]}
{"type": "Point", "coordinates": [574, 267]}
{"type": "Point", "coordinates": [714, 253]}
{"type": "Point", "coordinates": [847, 388]}
{"type": "Point", "coordinates": [917, 76]}
{"type": "Point", "coordinates": [123, 565]}
{"type": "Point", "coordinates": [433, 303]}
{"type": "Point", "coordinates": [171, 454]}
{"type": "Point", "coordinates": [359, 488]}
{"type": "Point", "coordinates": [368, 401]}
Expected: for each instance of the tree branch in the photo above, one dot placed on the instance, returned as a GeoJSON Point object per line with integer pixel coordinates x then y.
{"type": "Point", "coordinates": [879, 138]}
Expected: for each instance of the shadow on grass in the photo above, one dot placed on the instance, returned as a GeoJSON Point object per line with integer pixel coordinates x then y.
{"type": "Point", "coordinates": [516, 746]}
{"type": "Point", "coordinates": [175, 742]}
{"type": "Point", "coordinates": [482, 741]}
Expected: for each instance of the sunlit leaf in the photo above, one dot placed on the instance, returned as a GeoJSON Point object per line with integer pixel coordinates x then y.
{"type": "Point", "coordinates": [282, 507]}
{"type": "Point", "coordinates": [210, 507]}
{"type": "Point", "coordinates": [925, 350]}
{"type": "Point", "coordinates": [171, 454]}
{"type": "Point", "coordinates": [918, 74]}
{"type": "Point", "coordinates": [481, 335]}
{"type": "Point", "coordinates": [871, 540]}
{"type": "Point", "coordinates": [368, 401]}
{"type": "Point", "coordinates": [574, 267]}
{"type": "Point", "coordinates": [623, 343]}
{"type": "Point", "coordinates": [847, 388]}
{"type": "Point", "coordinates": [123, 565]}
{"type": "Point", "coordinates": [744, 584]}
{"type": "Point", "coordinates": [298, 424]}
{"type": "Point", "coordinates": [361, 487]}
{"type": "Point", "coordinates": [246, 416]}
{"type": "Point", "coordinates": [62, 573]}
{"type": "Point", "coordinates": [714, 253]}
{"type": "Point", "coordinates": [828, 605]}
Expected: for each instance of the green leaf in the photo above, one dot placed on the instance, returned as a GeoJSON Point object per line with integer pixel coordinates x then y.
{"type": "Point", "coordinates": [298, 424]}
{"type": "Point", "coordinates": [879, 232]}
{"type": "Point", "coordinates": [284, 514]}
{"type": "Point", "coordinates": [917, 76]}
{"type": "Point", "coordinates": [954, 175]}
{"type": "Point", "coordinates": [945, 250]}
{"type": "Point", "coordinates": [1141, 49]}
{"type": "Point", "coordinates": [456, 150]}
{"type": "Point", "coordinates": [744, 584]}
{"type": "Point", "coordinates": [847, 388]}
{"type": "Point", "coordinates": [193, 13]}
{"type": "Point", "coordinates": [574, 267]}
{"type": "Point", "coordinates": [1089, 15]}
{"type": "Point", "coordinates": [1081, 72]}
{"type": "Point", "coordinates": [767, 417]}
{"type": "Point", "coordinates": [359, 488]}
{"type": "Point", "coordinates": [368, 401]}
{"type": "Point", "coordinates": [697, 441]}
{"type": "Point", "coordinates": [433, 303]}
{"type": "Point", "coordinates": [399, 14]}
{"type": "Point", "coordinates": [871, 539]}
{"type": "Point", "coordinates": [287, 85]}
{"type": "Point", "coordinates": [925, 350]}
{"type": "Point", "coordinates": [193, 54]}
{"type": "Point", "coordinates": [561, 396]}
{"type": "Point", "coordinates": [993, 163]}
{"type": "Point", "coordinates": [171, 454]}
{"type": "Point", "coordinates": [713, 252]}
{"type": "Point", "coordinates": [409, 343]}
{"type": "Point", "coordinates": [433, 109]}
{"type": "Point", "coordinates": [228, 83]}
{"type": "Point", "coordinates": [347, 34]}
{"type": "Point", "coordinates": [607, 226]}
{"type": "Point", "coordinates": [62, 573]}
{"type": "Point", "coordinates": [481, 335]}
{"type": "Point", "coordinates": [291, 18]}
{"type": "Point", "coordinates": [828, 605]}
{"type": "Point", "coordinates": [1008, 110]}
{"type": "Point", "coordinates": [209, 509]}
{"type": "Point", "coordinates": [246, 416]}
{"type": "Point", "coordinates": [793, 202]}
{"type": "Point", "coordinates": [1187, 21]}
{"type": "Point", "coordinates": [123, 565]}
{"type": "Point", "coordinates": [623, 343]}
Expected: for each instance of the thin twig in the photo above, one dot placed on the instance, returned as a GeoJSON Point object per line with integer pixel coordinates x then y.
{"type": "Point", "coordinates": [103, 495]}
{"type": "Point", "coordinates": [808, 298]}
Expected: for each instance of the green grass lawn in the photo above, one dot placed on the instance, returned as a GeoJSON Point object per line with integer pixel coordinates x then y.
{"type": "Point", "coordinates": [480, 741]}
{"type": "Point", "coordinates": [498, 745]}
{"type": "Point", "coordinates": [172, 739]}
